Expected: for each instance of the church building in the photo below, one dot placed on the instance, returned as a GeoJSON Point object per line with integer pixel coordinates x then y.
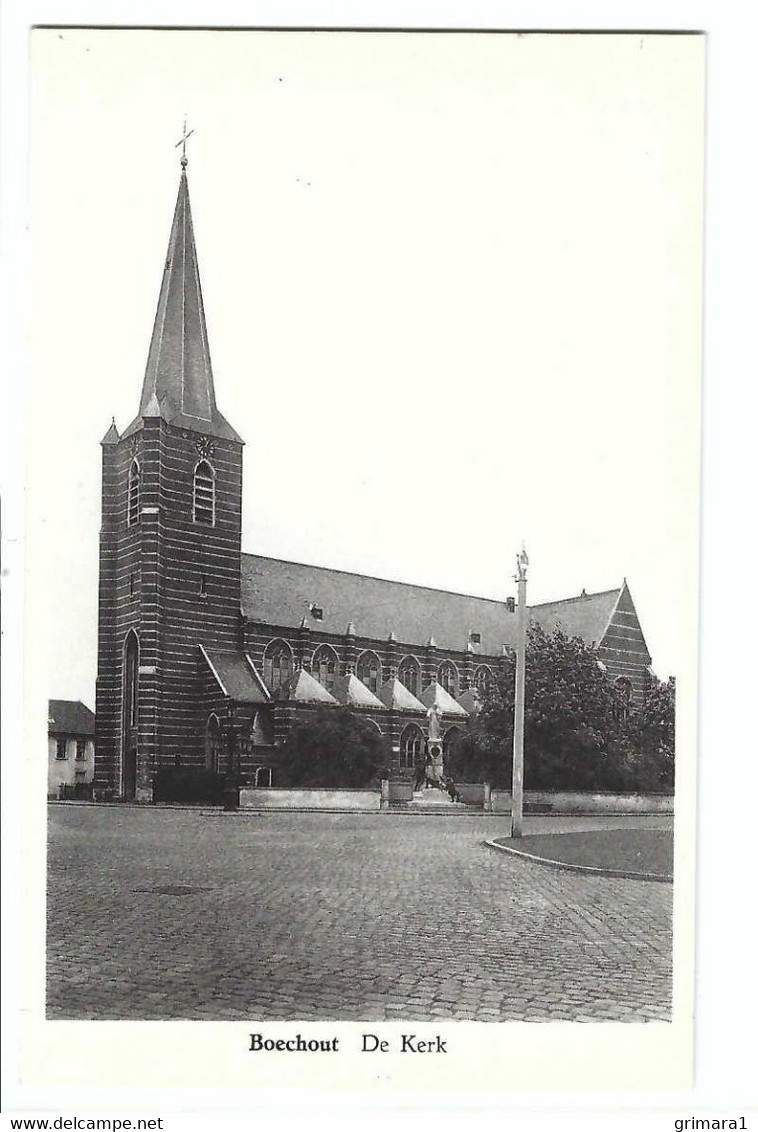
{"type": "Point", "coordinates": [203, 650]}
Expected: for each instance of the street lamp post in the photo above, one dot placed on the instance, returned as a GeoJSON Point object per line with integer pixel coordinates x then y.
{"type": "Point", "coordinates": [517, 794]}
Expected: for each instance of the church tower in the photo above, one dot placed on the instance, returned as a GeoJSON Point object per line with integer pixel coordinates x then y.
{"type": "Point", "coordinates": [169, 543]}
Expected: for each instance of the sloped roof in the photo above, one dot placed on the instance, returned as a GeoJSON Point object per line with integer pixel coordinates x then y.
{"type": "Point", "coordinates": [348, 689]}
{"type": "Point", "coordinates": [70, 717]}
{"type": "Point", "coordinates": [470, 701]}
{"type": "Point", "coordinates": [178, 385]}
{"type": "Point", "coordinates": [434, 695]}
{"type": "Point", "coordinates": [586, 616]}
{"type": "Point", "coordinates": [302, 688]}
{"type": "Point", "coordinates": [281, 593]}
{"type": "Point", "coordinates": [395, 695]}
{"type": "Point", "coordinates": [236, 676]}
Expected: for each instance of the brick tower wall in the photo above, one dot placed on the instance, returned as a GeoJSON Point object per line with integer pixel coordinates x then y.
{"type": "Point", "coordinates": [165, 558]}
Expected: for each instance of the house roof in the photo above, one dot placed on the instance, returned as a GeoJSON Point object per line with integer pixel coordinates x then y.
{"type": "Point", "coordinates": [280, 593]}
{"type": "Point", "coordinates": [586, 616]}
{"type": "Point", "coordinates": [71, 717]}
{"type": "Point", "coordinates": [178, 385]}
{"type": "Point", "coordinates": [348, 689]}
{"type": "Point", "coordinates": [236, 675]}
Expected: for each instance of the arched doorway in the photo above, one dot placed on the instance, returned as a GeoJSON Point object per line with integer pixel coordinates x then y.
{"type": "Point", "coordinates": [411, 746]}
{"type": "Point", "coordinates": [130, 716]}
{"type": "Point", "coordinates": [450, 741]}
{"type": "Point", "coordinates": [213, 744]}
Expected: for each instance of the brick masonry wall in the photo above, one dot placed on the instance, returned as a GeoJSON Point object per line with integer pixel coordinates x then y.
{"type": "Point", "coordinates": [623, 649]}
{"type": "Point", "coordinates": [151, 581]}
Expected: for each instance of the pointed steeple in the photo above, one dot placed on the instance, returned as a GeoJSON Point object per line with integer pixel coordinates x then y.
{"type": "Point", "coordinates": [111, 436]}
{"type": "Point", "coordinates": [178, 385]}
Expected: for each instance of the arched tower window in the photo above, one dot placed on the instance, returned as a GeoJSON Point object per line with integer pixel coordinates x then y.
{"type": "Point", "coordinates": [411, 746]}
{"type": "Point", "coordinates": [133, 494]}
{"type": "Point", "coordinates": [324, 666]}
{"type": "Point", "coordinates": [483, 679]}
{"type": "Point", "coordinates": [409, 673]}
{"type": "Point", "coordinates": [204, 494]}
{"type": "Point", "coordinates": [447, 676]}
{"type": "Point", "coordinates": [277, 664]}
{"type": "Point", "coordinates": [369, 671]}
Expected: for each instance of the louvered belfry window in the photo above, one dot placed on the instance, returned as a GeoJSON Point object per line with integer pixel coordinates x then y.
{"type": "Point", "coordinates": [133, 494]}
{"type": "Point", "coordinates": [204, 495]}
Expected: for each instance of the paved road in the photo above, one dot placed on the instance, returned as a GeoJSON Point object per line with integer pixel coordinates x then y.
{"type": "Point", "coordinates": [360, 917]}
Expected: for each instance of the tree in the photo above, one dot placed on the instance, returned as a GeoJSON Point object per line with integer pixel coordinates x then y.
{"type": "Point", "coordinates": [573, 738]}
{"type": "Point", "coordinates": [332, 748]}
{"type": "Point", "coordinates": [649, 735]}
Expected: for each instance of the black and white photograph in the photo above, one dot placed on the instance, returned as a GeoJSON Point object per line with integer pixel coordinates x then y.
{"type": "Point", "coordinates": [363, 504]}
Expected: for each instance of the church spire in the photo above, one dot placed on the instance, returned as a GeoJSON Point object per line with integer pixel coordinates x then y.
{"type": "Point", "coordinates": [178, 385]}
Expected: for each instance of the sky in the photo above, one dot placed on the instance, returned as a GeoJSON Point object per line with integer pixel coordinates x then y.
{"type": "Point", "coordinates": [453, 293]}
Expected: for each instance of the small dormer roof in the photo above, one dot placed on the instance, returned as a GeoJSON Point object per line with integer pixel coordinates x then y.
{"type": "Point", "coordinates": [348, 689]}
{"type": "Point", "coordinates": [302, 688]}
{"type": "Point", "coordinates": [394, 695]}
{"type": "Point", "coordinates": [434, 695]}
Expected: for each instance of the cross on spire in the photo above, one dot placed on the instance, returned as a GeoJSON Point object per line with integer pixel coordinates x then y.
{"type": "Point", "coordinates": [183, 143]}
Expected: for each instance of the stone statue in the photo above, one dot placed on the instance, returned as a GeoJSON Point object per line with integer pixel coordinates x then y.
{"type": "Point", "coordinates": [435, 730]}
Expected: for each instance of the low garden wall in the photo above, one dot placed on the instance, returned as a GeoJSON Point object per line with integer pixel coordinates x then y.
{"type": "Point", "coordinates": [308, 798]}
{"type": "Point", "coordinates": [587, 802]}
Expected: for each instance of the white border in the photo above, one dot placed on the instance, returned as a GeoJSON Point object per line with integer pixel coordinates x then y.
{"type": "Point", "coordinates": [726, 936]}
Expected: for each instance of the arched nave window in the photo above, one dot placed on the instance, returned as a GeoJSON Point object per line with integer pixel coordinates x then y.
{"type": "Point", "coordinates": [277, 664]}
{"type": "Point", "coordinates": [409, 674]}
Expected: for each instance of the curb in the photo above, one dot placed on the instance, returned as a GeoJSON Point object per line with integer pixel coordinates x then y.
{"type": "Point", "coordinates": [590, 870]}
{"type": "Point", "coordinates": [200, 809]}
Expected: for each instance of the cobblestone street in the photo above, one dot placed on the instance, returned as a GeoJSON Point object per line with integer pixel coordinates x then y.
{"type": "Point", "coordinates": [157, 914]}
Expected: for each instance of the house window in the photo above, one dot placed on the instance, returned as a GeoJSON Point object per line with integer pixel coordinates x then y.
{"type": "Point", "coordinates": [447, 676]}
{"type": "Point", "coordinates": [409, 674]}
{"type": "Point", "coordinates": [277, 665]}
{"type": "Point", "coordinates": [204, 495]}
{"type": "Point", "coordinates": [133, 494]}
{"type": "Point", "coordinates": [60, 749]}
{"type": "Point", "coordinates": [81, 749]}
{"type": "Point", "coordinates": [324, 666]}
{"type": "Point", "coordinates": [369, 671]}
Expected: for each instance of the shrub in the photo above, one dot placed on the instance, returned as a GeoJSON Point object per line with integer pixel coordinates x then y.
{"type": "Point", "coordinates": [334, 748]}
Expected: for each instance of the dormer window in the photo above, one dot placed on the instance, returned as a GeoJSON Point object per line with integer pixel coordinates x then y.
{"type": "Point", "coordinates": [204, 495]}
{"type": "Point", "coordinates": [133, 494]}
{"type": "Point", "coordinates": [475, 638]}
{"type": "Point", "coordinates": [317, 613]}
